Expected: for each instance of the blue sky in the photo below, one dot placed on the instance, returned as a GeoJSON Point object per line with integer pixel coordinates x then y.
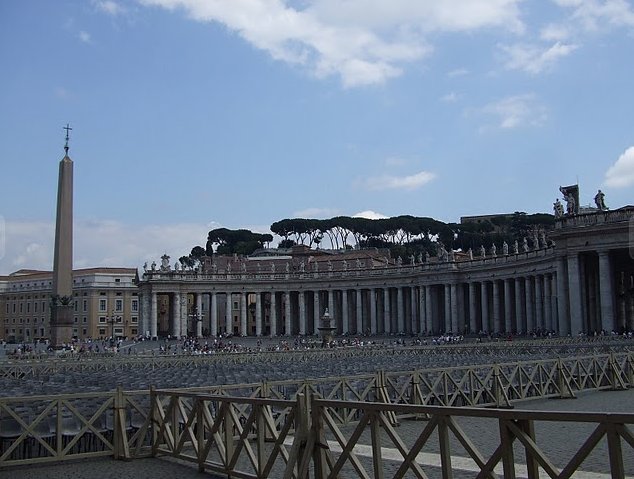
{"type": "Point", "coordinates": [194, 114]}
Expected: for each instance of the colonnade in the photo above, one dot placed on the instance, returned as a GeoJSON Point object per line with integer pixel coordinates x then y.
{"type": "Point", "coordinates": [506, 305]}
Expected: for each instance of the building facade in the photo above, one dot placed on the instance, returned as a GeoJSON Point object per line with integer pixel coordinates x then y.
{"type": "Point", "coordinates": [580, 281]}
{"type": "Point", "coordinates": [105, 304]}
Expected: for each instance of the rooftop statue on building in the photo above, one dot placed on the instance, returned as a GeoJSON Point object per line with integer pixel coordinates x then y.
{"type": "Point", "coordinates": [516, 248]}
{"type": "Point", "coordinates": [525, 245]}
{"type": "Point", "coordinates": [494, 250]}
{"type": "Point", "coordinates": [558, 208]}
{"type": "Point", "coordinates": [470, 253]}
{"type": "Point", "coordinates": [483, 252]}
{"type": "Point", "coordinates": [302, 266]}
{"type": "Point", "coordinates": [165, 263]}
{"type": "Point", "coordinates": [412, 260]}
{"type": "Point", "coordinates": [420, 258]}
{"type": "Point", "coordinates": [505, 248]}
{"type": "Point", "coordinates": [145, 267]}
{"type": "Point", "coordinates": [153, 266]}
{"type": "Point", "coordinates": [599, 200]}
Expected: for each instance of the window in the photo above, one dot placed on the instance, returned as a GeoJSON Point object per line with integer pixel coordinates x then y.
{"type": "Point", "coordinates": [235, 305]}
{"type": "Point", "coordinates": [75, 306]}
{"type": "Point", "coordinates": [21, 307]}
{"type": "Point", "coordinates": [135, 319]}
{"type": "Point", "coordinates": [135, 305]}
{"type": "Point", "coordinates": [35, 307]}
{"type": "Point", "coordinates": [28, 307]}
{"type": "Point", "coordinates": [103, 305]}
{"type": "Point", "coordinates": [117, 280]}
{"type": "Point", "coordinates": [102, 332]}
{"type": "Point", "coordinates": [102, 319]}
{"type": "Point", "coordinates": [118, 305]}
{"type": "Point", "coordinates": [85, 305]}
{"type": "Point", "coordinates": [75, 319]}
{"type": "Point", "coordinates": [85, 320]}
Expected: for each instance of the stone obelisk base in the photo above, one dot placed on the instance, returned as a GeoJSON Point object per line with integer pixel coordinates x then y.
{"type": "Point", "coordinates": [61, 325]}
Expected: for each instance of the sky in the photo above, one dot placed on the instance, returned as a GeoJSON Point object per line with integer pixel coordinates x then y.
{"type": "Point", "coordinates": [189, 115]}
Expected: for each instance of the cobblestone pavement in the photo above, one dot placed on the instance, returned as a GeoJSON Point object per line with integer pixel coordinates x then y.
{"type": "Point", "coordinates": [559, 441]}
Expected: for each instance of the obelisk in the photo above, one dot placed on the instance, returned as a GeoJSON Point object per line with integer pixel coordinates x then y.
{"type": "Point", "coordinates": [62, 295]}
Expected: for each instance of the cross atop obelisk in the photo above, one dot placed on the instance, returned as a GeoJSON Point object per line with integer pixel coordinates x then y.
{"type": "Point", "coordinates": [62, 298]}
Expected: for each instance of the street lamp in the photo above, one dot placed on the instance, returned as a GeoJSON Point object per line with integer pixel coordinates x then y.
{"type": "Point", "coordinates": [112, 319]}
{"type": "Point", "coordinates": [198, 318]}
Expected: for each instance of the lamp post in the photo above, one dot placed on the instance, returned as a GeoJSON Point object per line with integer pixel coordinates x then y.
{"type": "Point", "coordinates": [112, 319]}
{"type": "Point", "coordinates": [198, 318]}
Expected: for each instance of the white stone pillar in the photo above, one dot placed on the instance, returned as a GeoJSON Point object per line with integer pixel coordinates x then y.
{"type": "Point", "coordinates": [184, 315]}
{"type": "Point", "coordinates": [605, 290]}
{"type": "Point", "coordinates": [387, 320]}
{"type": "Point", "coordinates": [413, 320]}
{"type": "Point", "coordinates": [547, 312]}
{"type": "Point", "coordinates": [447, 322]}
{"type": "Point", "coordinates": [273, 314]}
{"type": "Point", "coordinates": [287, 313]}
{"type": "Point", "coordinates": [520, 321]}
{"type": "Point", "coordinates": [244, 308]}
{"type": "Point", "coordinates": [316, 311]}
{"type": "Point", "coordinates": [153, 316]}
{"type": "Point", "coordinates": [539, 302]}
{"type": "Point", "coordinates": [344, 311]}
{"type": "Point", "coordinates": [574, 294]}
{"type": "Point", "coordinates": [373, 323]}
{"type": "Point", "coordinates": [258, 314]}
{"type": "Point", "coordinates": [456, 327]}
{"type": "Point", "coordinates": [199, 315]}
{"type": "Point", "coordinates": [429, 324]}
{"type": "Point", "coordinates": [331, 307]}
{"type": "Point", "coordinates": [553, 302]}
{"type": "Point", "coordinates": [508, 307]}
{"type": "Point", "coordinates": [302, 313]}
{"type": "Point", "coordinates": [528, 292]}
{"type": "Point", "coordinates": [484, 307]}
{"type": "Point", "coordinates": [229, 314]}
{"type": "Point", "coordinates": [497, 321]}
{"type": "Point", "coordinates": [473, 325]}
{"type": "Point", "coordinates": [400, 310]}
{"type": "Point", "coordinates": [359, 311]}
{"type": "Point", "coordinates": [176, 312]}
{"type": "Point", "coordinates": [213, 311]}
{"type": "Point", "coordinates": [562, 297]}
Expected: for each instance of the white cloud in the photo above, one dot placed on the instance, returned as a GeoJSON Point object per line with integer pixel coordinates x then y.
{"type": "Point", "coordinates": [459, 72]}
{"type": "Point", "coordinates": [554, 33]}
{"type": "Point", "coordinates": [320, 213]}
{"type": "Point", "coordinates": [451, 97]}
{"type": "Point", "coordinates": [410, 182]}
{"type": "Point", "coordinates": [84, 36]}
{"type": "Point", "coordinates": [109, 6]}
{"type": "Point", "coordinates": [621, 173]}
{"type": "Point", "coordinates": [600, 14]}
{"type": "Point", "coordinates": [30, 245]}
{"type": "Point", "coordinates": [363, 42]}
{"type": "Point", "coordinates": [534, 59]}
{"type": "Point", "coordinates": [369, 214]}
{"type": "Point", "coordinates": [517, 111]}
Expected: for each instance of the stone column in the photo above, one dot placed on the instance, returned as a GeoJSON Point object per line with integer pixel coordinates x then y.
{"type": "Point", "coordinates": [473, 325]}
{"type": "Point", "coordinates": [229, 314]}
{"type": "Point", "coordinates": [562, 297]}
{"type": "Point", "coordinates": [302, 313]}
{"type": "Point", "coordinates": [497, 321]}
{"type": "Point", "coordinates": [153, 316]}
{"type": "Point", "coordinates": [547, 312]}
{"type": "Point", "coordinates": [574, 294]}
{"type": "Point", "coordinates": [484, 306]}
{"type": "Point", "coordinates": [145, 301]}
{"type": "Point", "coordinates": [539, 302]}
{"type": "Point", "coordinates": [413, 300]}
{"type": "Point", "coordinates": [400, 310]}
{"type": "Point", "coordinates": [359, 310]}
{"type": "Point", "coordinates": [447, 320]}
{"type": "Point", "coordinates": [199, 315]}
{"type": "Point", "coordinates": [213, 311]}
{"type": "Point", "coordinates": [605, 291]}
{"type": "Point", "coordinates": [258, 314]}
{"type": "Point", "coordinates": [344, 311]}
{"type": "Point", "coordinates": [429, 324]}
{"type": "Point", "coordinates": [331, 306]}
{"type": "Point", "coordinates": [316, 312]}
{"type": "Point", "coordinates": [273, 317]}
{"type": "Point", "coordinates": [422, 310]}
{"type": "Point", "coordinates": [520, 321]}
{"type": "Point", "coordinates": [553, 302]}
{"type": "Point", "coordinates": [287, 313]}
{"type": "Point", "coordinates": [373, 323]}
{"type": "Point", "coordinates": [456, 324]}
{"type": "Point", "coordinates": [176, 311]}
{"type": "Point", "coordinates": [243, 314]}
{"type": "Point", "coordinates": [387, 320]}
{"type": "Point", "coordinates": [508, 307]}
{"type": "Point", "coordinates": [528, 292]}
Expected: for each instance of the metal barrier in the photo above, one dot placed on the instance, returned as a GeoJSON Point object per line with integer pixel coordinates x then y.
{"type": "Point", "coordinates": [126, 424]}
